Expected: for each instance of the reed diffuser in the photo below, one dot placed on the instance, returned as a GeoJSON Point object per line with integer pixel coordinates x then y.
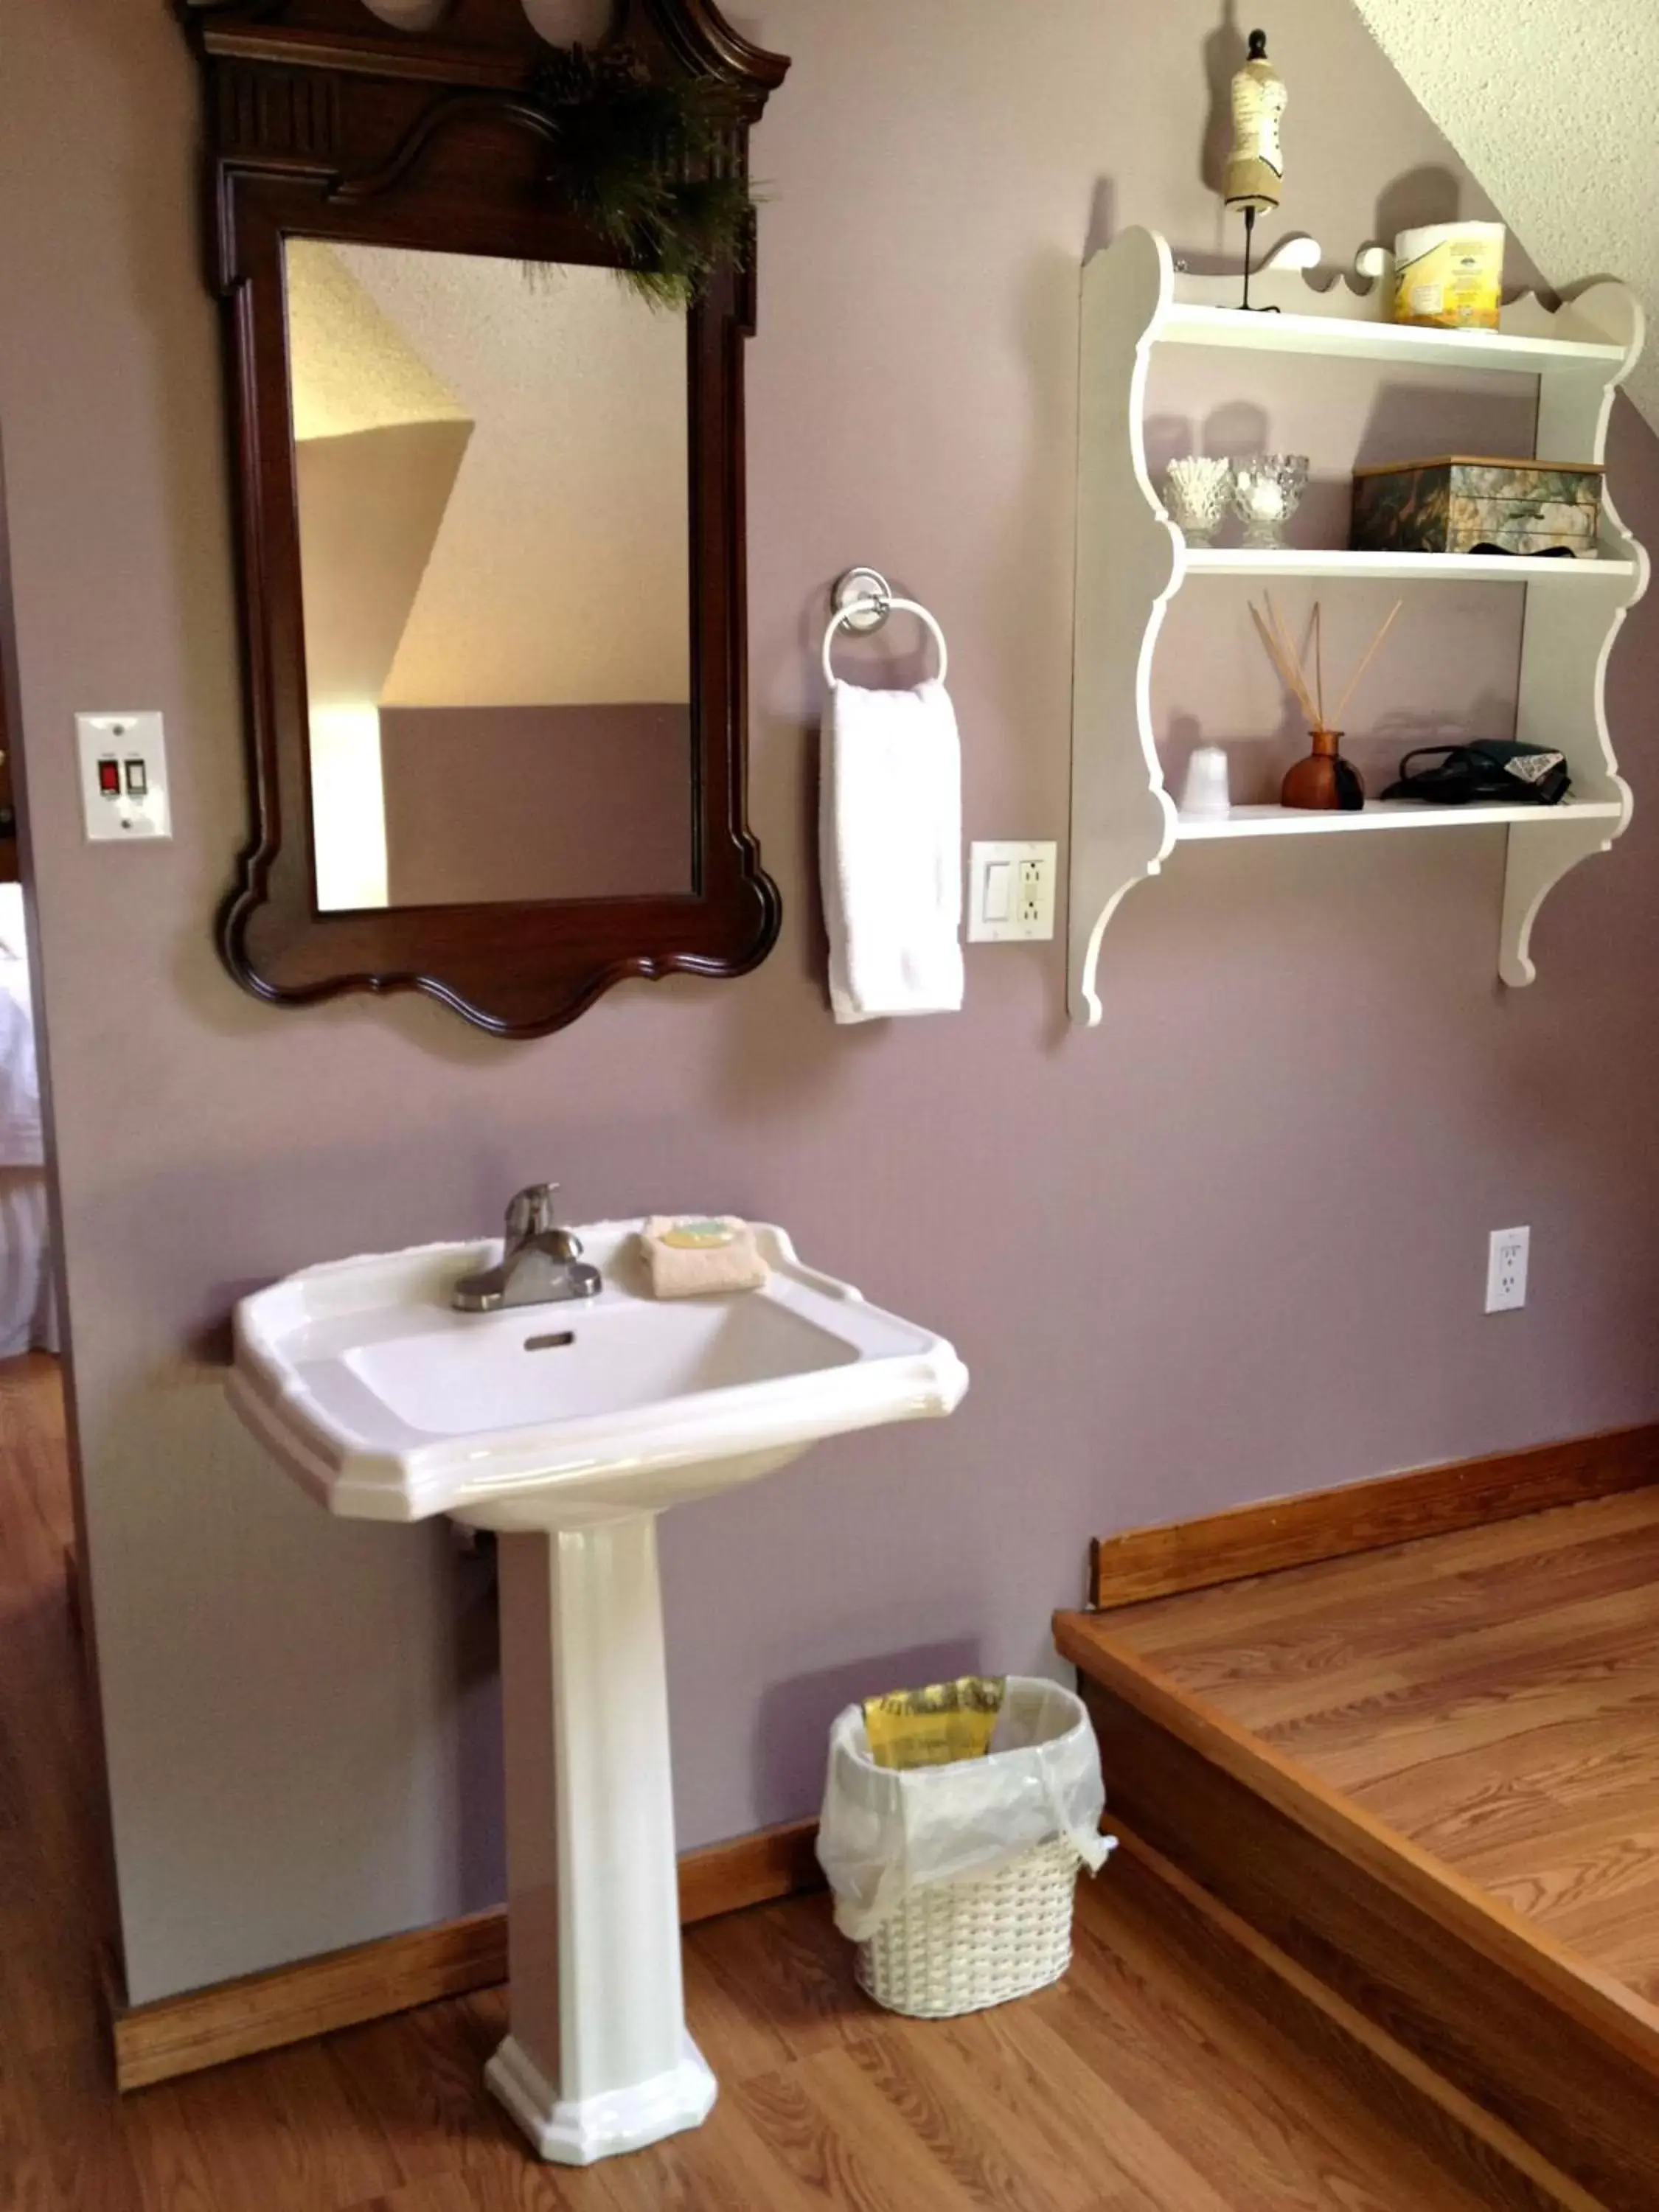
{"type": "Point", "coordinates": [1324, 782]}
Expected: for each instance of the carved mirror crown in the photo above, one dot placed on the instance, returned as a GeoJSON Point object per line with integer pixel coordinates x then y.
{"type": "Point", "coordinates": [438, 134]}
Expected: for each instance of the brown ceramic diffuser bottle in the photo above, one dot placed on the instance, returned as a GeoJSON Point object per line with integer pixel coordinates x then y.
{"type": "Point", "coordinates": [1324, 779]}
{"type": "Point", "coordinates": [1324, 782]}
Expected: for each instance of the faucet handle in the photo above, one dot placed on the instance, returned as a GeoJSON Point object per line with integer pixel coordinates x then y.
{"type": "Point", "coordinates": [534, 1211]}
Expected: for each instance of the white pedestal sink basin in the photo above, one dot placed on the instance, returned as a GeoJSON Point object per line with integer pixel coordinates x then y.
{"type": "Point", "coordinates": [568, 1428]}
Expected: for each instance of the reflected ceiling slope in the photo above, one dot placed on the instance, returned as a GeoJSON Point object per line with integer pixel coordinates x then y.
{"type": "Point", "coordinates": [562, 574]}
{"type": "Point", "coordinates": [380, 442]}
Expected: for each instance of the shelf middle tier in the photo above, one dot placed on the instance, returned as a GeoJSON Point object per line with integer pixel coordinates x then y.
{"type": "Point", "coordinates": [1391, 814]}
{"type": "Point", "coordinates": [1404, 567]}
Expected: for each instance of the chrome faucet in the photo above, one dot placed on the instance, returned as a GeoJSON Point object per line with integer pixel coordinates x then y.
{"type": "Point", "coordinates": [541, 1263]}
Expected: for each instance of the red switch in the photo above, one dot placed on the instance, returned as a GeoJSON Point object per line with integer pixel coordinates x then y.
{"type": "Point", "coordinates": [109, 778]}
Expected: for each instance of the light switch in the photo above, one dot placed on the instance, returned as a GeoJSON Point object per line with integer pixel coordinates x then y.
{"type": "Point", "coordinates": [1011, 894]}
{"type": "Point", "coordinates": [124, 778]}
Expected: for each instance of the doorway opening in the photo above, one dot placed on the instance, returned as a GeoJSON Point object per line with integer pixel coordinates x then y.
{"type": "Point", "coordinates": [28, 1317]}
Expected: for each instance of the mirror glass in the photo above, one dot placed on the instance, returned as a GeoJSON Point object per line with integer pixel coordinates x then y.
{"type": "Point", "coordinates": [494, 525]}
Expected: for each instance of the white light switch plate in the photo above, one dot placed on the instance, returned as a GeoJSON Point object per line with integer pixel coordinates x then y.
{"type": "Point", "coordinates": [1011, 892]}
{"type": "Point", "coordinates": [136, 810]}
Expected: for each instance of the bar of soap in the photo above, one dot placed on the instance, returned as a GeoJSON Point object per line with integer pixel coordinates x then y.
{"type": "Point", "coordinates": [696, 1256]}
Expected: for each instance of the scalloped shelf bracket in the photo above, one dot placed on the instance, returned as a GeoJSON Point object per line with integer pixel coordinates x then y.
{"type": "Point", "coordinates": [1131, 560]}
{"type": "Point", "coordinates": [1129, 556]}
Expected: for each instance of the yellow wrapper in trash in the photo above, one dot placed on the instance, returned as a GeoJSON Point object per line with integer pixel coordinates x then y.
{"type": "Point", "coordinates": [937, 1726]}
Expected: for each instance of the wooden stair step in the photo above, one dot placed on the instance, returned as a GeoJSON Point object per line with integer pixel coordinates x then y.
{"type": "Point", "coordinates": [1494, 2008]}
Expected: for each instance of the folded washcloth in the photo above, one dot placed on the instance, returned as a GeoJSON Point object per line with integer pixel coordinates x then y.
{"type": "Point", "coordinates": [686, 1258]}
{"type": "Point", "coordinates": [890, 851]}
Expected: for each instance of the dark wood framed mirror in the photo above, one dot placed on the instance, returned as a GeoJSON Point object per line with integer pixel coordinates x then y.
{"type": "Point", "coordinates": [491, 514]}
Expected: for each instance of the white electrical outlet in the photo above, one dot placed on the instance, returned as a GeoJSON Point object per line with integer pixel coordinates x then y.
{"type": "Point", "coordinates": [1011, 896]}
{"type": "Point", "coordinates": [1506, 1270]}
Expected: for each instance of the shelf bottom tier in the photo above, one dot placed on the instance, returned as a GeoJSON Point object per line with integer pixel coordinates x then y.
{"type": "Point", "coordinates": [1388, 814]}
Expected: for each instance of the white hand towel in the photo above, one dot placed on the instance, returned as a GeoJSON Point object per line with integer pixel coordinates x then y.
{"type": "Point", "coordinates": [890, 851]}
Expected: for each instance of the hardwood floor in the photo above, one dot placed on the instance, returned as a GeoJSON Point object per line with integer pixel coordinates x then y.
{"type": "Point", "coordinates": [1492, 1695]}
{"type": "Point", "coordinates": [1148, 2081]}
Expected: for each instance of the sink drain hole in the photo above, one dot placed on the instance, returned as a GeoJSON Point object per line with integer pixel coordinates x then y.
{"type": "Point", "coordinates": [550, 1343]}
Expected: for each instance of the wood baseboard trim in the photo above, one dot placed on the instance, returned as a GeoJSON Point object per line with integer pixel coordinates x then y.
{"type": "Point", "coordinates": [315, 1996]}
{"type": "Point", "coordinates": [1367, 1517]}
{"type": "Point", "coordinates": [1495, 2164]}
{"type": "Point", "coordinates": [754, 1869]}
{"type": "Point", "coordinates": [1563, 2057]}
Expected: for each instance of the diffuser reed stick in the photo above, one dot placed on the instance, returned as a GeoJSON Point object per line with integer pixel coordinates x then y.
{"type": "Point", "coordinates": [1319, 662]}
{"type": "Point", "coordinates": [1292, 660]}
{"type": "Point", "coordinates": [1284, 661]}
{"type": "Point", "coordinates": [1366, 662]}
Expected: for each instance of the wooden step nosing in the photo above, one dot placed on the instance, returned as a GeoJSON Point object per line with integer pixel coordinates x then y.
{"type": "Point", "coordinates": [1578, 2098]}
{"type": "Point", "coordinates": [1462, 2110]}
{"type": "Point", "coordinates": [1613, 2012]}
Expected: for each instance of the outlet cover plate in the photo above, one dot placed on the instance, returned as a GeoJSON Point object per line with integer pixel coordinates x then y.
{"type": "Point", "coordinates": [1506, 1270]}
{"type": "Point", "coordinates": [1011, 892]}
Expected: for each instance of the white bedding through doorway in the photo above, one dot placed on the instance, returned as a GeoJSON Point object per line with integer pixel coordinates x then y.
{"type": "Point", "coordinates": [28, 1315]}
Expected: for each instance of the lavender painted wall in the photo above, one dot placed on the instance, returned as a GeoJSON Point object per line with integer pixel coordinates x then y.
{"type": "Point", "coordinates": [1230, 1245]}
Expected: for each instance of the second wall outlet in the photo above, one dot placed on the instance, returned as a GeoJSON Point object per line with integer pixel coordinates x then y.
{"type": "Point", "coordinates": [1011, 892]}
{"type": "Point", "coordinates": [1506, 1270]}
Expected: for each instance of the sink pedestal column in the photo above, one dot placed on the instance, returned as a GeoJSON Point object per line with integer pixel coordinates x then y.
{"type": "Point", "coordinates": [598, 2060]}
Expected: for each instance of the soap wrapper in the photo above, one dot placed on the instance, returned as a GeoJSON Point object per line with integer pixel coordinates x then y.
{"type": "Point", "coordinates": [695, 1256]}
{"type": "Point", "coordinates": [937, 1726]}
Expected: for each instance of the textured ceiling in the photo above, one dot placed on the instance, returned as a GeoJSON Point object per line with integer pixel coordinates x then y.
{"type": "Point", "coordinates": [350, 368]}
{"type": "Point", "coordinates": [1551, 104]}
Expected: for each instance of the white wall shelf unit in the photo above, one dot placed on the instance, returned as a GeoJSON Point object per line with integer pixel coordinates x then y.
{"type": "Point", "coordinates": [1131, 560]}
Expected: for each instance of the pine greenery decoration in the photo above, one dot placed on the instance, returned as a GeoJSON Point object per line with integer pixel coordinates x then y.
{"type": "Point", "coordinates": [646, 162]}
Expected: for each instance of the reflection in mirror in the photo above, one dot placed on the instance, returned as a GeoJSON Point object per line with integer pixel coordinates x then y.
{"type": "Point", "coordinates": [410, 15]}
{"type": "Point", "coordinates": [493, 488]}
{"type": "Point", "coordinates": [572, 23]}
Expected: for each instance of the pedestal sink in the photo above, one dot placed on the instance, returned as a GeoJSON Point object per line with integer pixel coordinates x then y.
{"type": "Point", "coordinates": [567, 1428]}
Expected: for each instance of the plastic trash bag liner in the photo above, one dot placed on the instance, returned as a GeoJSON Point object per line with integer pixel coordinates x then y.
{"type": "Point", "coordinates": [885, 1834]}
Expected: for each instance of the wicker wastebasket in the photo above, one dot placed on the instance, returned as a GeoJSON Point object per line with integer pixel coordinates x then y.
{"type": "Point", "coordinates": [957, 1883]}
{"type": "Point", "coordinates": [960, 1946]}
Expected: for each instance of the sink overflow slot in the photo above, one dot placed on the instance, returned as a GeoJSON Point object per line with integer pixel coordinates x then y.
{"type": "Point", "coordinates": [550, 1343]}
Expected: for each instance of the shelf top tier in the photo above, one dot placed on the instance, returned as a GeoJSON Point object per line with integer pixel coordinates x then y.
{"type": "Point", "coordinates": [1407, 567]}
{"type": "Point", "coordinates": [1357, 337]}
{"type": "Point", "coordinates": [1593, 338]}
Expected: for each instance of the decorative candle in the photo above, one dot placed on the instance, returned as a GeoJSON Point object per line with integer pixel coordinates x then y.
{"type": "Point", "coordinates": [1268, 490]}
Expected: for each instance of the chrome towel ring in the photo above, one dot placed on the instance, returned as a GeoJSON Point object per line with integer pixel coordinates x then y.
{"type": "Point", "coordinates": [863, 601]}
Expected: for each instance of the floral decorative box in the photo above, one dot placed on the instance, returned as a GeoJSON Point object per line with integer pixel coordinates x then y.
{"type": "Point", "coordinates": [1466, 505]}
